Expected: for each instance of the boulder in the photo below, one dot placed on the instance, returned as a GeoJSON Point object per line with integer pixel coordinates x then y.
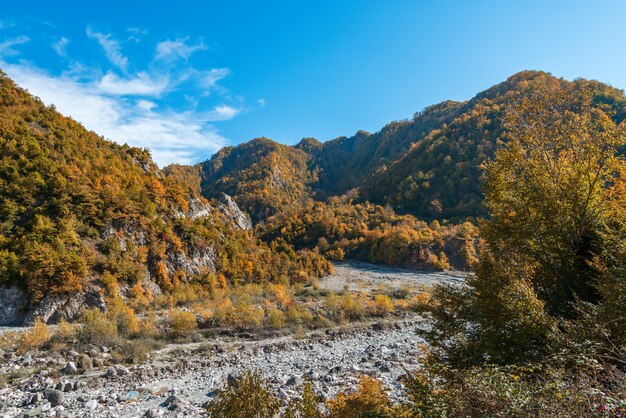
{"type": "Point", "coordinates": [13, 305]}
{"type": "Point", "coordinates": [85, 362]}
{"type": "Point", "coordinates": [70, 368]}
{"type": "Point", "coordinates": [54, 396]}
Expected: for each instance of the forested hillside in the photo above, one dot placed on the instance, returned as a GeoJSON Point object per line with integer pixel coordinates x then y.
{"type": "Point", "coordinates": [429, 166]}
{"type": "Point", "coordinates": [77, 211]}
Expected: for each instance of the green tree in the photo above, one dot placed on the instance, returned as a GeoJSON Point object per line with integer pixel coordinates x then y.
{"type": "Point", "coordinates": [551, 193]}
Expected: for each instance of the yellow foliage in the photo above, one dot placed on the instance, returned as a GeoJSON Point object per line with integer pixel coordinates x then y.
{"type": "Point", "coordinates": [38, 335]}
{"type": "Point", "coordinates": [370, 399]}
{"type": "Point", "coordinates": [182, 322]}
{"type": "Point", "coordinates": [275, 318]}
{"type": "Point", "coordinates": [381, 305]}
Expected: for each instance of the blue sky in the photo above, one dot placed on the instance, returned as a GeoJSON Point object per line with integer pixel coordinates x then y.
{"type": "Point", "coordinates": [186, 78]}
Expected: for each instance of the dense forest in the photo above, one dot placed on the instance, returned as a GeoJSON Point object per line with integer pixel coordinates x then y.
{"type": "Point", "coordinates": [77, 210]}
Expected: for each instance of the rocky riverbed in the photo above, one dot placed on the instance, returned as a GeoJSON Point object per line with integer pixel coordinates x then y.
{"type": "Point", "coordinates": [179, 379]}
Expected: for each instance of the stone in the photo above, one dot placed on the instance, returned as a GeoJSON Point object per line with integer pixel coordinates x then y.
{"type": "Point", "coordinates": [70, 368]}
{"type": "Point", "coordinates": [173, 402]}
{"type": "Point", "coordinates": [27, 359]}
{"type": "Point", "coordinates": [91, 404]}
{"type": "Point", "coordinates": [111, 372]}
{"type": "Point", "coordinates": [151, 413]}
{"type": "Point", "coordinates": [54, 396]}
{"type": "Point", "coordinates": [120, 370]}
{"type": "Point", "coordinates": [13, 305]}
{"type": "Point", "coordinates": [294, 381]}
{"type": "Point", "coordinates": [128, 396]}
{"type": "Point", "coordinates": [85, 362]}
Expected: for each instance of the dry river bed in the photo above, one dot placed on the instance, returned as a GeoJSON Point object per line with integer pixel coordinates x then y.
{"type": "Point", "coordinates": [179, 380]}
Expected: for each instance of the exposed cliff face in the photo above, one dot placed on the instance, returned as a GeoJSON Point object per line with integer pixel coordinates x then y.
{"type": "Point", "coordinates": [16, 307]}
{"type": "Point", "coordinates": [229, 207]}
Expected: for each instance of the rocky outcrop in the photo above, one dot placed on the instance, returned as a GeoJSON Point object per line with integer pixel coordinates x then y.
{"type": "Point", "coordinates": [13, 305]}
{"type": "Point", "coordinates": [232, 211]}
{"type": "Point", "coordinates": [196, 261]}
{"type": "Point", "coordinates": [198, 208]}
{"type": "Point", "coordinates": [53, 308]}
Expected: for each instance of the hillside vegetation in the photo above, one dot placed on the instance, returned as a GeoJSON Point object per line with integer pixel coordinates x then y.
{"type": "Point", "coordinates": [77, 210]}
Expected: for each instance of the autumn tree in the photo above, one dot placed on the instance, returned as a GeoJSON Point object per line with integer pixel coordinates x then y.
{"type": "Point", "coordinates": [551, 193]}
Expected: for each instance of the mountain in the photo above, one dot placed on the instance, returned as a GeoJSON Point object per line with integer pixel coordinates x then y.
{"type": "Point", "coordinates": [429, 166]}
{"type": "Point", "coordinates": [83, 220]}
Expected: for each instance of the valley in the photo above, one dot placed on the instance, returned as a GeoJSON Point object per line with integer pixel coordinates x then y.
{"type": "Point", "coordinates": [179, 379]}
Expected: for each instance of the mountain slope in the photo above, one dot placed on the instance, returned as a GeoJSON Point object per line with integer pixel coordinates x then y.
{"type": "Point", "coordinates": [83, 219]}
{"type": "Point", "coordinates": [429, 166]}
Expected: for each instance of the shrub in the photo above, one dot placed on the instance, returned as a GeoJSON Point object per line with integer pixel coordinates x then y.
{"type": "Point", "coordinates": [124, 317]}
{"type": "Point", "coordinates": [248, 397]}
{"type": "Point", "coordinates": [245, 315]}
{"type": "Point", "coordinates": [275, 318]}
{"type": "Point", "coordinates": [345, 307]}
{"type": "Point", "coordinates": [182, 322]}
{"type": "Point", "coordinates": [370, 400]}
{"type": "Point", "coordinates": [66, 331]}
{"type": "Point", "coordinates": [98, 328]}
{"type": "Point", "coordinates": [38, 335]}
{"type": "Point", "coordinates": [304, 407]}
{"type": "Point", "coordinates": [381, 305]}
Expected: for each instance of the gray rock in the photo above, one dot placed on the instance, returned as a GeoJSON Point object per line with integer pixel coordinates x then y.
{"type": "Point", "coordinates": [230, 208]}
{"type": "Point", "coordinates": [66, 306]}
{"type": "Point", "coordinates": [173, 402]}
{"type": "Point", "coordinates": [111, 372]}
{"type": "Point", "coordinates": [151, 413]}
{"type": "Point", "coordinates": [85, 362]}
{"type": "Point", "coordinates": [120, 370]}
{"type": "Point", "coordinates": [70, 368]}
{"type": "Point", "coordinates": [55, 397]}
{"type": "Point", "coordinates": [294, 381]}
{"type": "Point", "coordinates": [91, 404]}
{"type": "Point", "coordinates": [13, 305]}
{"type": "Point", "coordinates": [231, 380]}
{"type": "Point", "coordinates": [27, 359]}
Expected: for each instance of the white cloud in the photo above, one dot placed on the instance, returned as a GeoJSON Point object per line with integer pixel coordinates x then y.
{"type": "Point", "coordinates": [141, 84]}
{"type": "Point", "coordinates": [7, 46]}
{"type": "Point", "coordinates": [59, 47]}
{"type": "Point", "coordinates": [169, 50]}
{"type": "Point", "coordinates": [211, 77]}
{"type": "Point", "coordinates": [173, 137]}
{"type": "Point", "coordinates": [137, 31]}
{"type": "Point", "coordinates": [262, 102]}
{"type": "Point", "coordinates": [111, 47]}
{"type": "Point", "coordinates": [223, 112]}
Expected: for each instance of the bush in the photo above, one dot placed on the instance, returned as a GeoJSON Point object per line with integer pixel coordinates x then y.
{"type": "Point", "coordinates": [38, 335]}
{"type": "Point", "coordinates": [307, 406]}
{"type": "Point", "coordinates": [544, 389]}
{"type": "Point", "coordinates": [98, 328]}
{"type": "Point", "coordinates": [65, 331]}
{"type": "Point", "coordinates": [248, 397]}
{"type": "Point", "coordinates": [182, 322]}
{"type": "Point", "coordinates": [346, 307]}
{"type": "Point", "coordinates": [275, 318]}
{"type": "Point", "coordinates": [370, 400]}
{"type": "Point", "coordinates": [381, 305]}
{"type": "Point", "coordinates": [245, 315]}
